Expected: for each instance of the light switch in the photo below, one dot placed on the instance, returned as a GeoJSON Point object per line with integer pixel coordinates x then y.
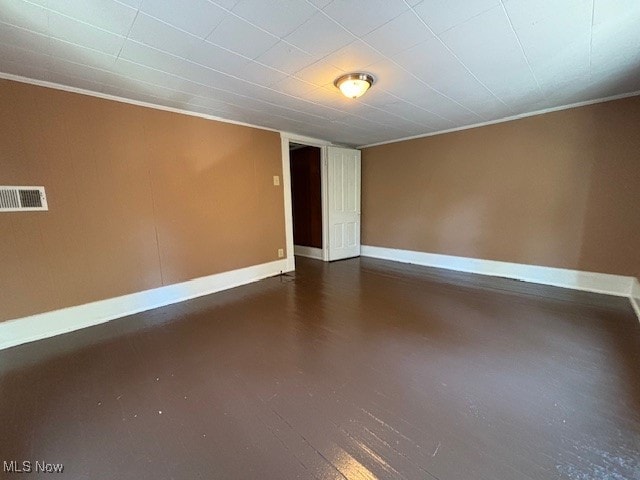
{"type": "Point", "coordinates": [276, 180]}
{"type": "Point", "coordinates": [280, 252]}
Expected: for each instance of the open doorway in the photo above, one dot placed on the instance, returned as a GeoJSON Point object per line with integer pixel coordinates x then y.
{"type": "Point", "coordinates": [305, 164]}
{"type": "Point", "coordinates": [339, 199]}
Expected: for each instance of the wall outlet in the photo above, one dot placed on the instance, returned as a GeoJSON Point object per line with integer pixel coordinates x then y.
{"type": "Point", "coordinates": [276, 180]}
{"type": "Point", "coordinates": [280, 252]}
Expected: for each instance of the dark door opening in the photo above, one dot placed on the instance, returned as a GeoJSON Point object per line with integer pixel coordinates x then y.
{"type": "Point", "coordinates": [306, 199]}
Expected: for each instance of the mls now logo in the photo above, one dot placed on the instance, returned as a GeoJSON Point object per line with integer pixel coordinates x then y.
{"type": "Point", "coordinates": [28, 467]}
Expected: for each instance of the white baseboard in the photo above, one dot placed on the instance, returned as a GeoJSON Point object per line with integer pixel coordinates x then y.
{"type": "Point", "coordinates": [49, 324]}
{"type": "Point", "coordinates": [310, 252]}
{"type": "Point", "coordinates": [575, 279]}
{"type": "Point", "coordinates": [635, 296]}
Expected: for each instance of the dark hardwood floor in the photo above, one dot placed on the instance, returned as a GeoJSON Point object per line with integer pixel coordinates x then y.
{"type": "Point", "coordinates": [358, 369]}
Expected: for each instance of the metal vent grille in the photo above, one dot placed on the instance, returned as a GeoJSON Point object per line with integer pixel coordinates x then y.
{"type": "Point", "coordinates": [30, 198]}
{"type": "Point", "coordinates": [20, 199]}
{"type": "Point", "coordinates": [9, 199]}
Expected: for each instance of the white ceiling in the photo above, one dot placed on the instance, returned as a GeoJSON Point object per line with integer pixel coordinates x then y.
{"type": "Point", "coordinates": [440, 64]}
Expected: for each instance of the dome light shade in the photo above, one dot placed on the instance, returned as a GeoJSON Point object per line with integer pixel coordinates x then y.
{"type": "Point", "coordinates": [354, 85]}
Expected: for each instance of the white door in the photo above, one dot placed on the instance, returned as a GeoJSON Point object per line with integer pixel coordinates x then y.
{"type": "Point", "coordinates": [343, 189]}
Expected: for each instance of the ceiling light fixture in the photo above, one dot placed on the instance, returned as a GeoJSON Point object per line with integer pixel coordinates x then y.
{"type": "Point", "coordinates": [354, 85]}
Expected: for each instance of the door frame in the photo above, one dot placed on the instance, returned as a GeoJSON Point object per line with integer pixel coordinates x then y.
{"type": "Point", "coordinates": [286, 138]}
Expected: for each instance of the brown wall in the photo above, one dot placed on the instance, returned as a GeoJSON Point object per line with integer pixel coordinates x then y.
{"type": "Point", "coordinates": [306, 197]}
{"type": "Point", "coordinates": [560, 189]}
{"type": "Point", "coordinates": [138, 198]}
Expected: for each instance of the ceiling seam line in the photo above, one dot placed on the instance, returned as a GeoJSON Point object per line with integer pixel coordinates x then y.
{"type": "Point", "coordinates": [50, 53]}
{"type": "Point", "coordinates": [203, 39]}
{"type": "Point", "coordinates": [188, 80]}
{"type": "Point", "coordinates": [249, 59]}
{"type": "Point", "coordinates": [457, 58]}
{"type": "Point", "coordinates": [231, 12]}
{"type": "Point", "coordinates": [275, 69]}
{"type": "Point", "coordinates": [50, 10]}
{"type": "Point", "coordinates": [593, 15]}
{"type": "Point", "coordinates": [293, 75]}
{"type": "Point", "coordinates": [49, 45]}
{"type": "Point", "coordinates": [251, 83]}
{"type": "Point", "coordinates": [235, 78]}
{"type": "Point", "coordinates": [524, 54]}
{"type": "Point", "coordinates": [418, 106]}
{"type": "Point", "coordinates": [509, 119]}
{"type": "Point", "coordinates": [394, 62]}
{"type": "Point", "coordinates": [252, 98]}
{"type": "Point", "coordinates": [197, 83]}
{"type": "Point", "coordinates": [127, 36]}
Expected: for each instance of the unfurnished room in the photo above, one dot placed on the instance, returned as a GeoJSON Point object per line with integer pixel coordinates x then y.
{"type": "Point", "coordinates": [320, 239]}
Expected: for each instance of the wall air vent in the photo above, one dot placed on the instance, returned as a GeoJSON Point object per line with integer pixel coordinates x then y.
{"type": "Point", "coordinates": [22, 199]}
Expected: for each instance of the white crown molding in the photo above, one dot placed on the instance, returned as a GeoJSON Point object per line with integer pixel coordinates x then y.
{"type": "Point", "coordinates": [49, 324]}
{"type": "Point", "coordinates": [115, 98]}
{"type": "Point", "coordinates": [508, 119]}
{"type": "Point", "coordinates": [292, 136]}
{"type": "Point", "coordinates": [605, 283]}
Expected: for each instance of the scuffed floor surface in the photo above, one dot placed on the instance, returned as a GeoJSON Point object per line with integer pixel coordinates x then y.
{"type": "Point", "coordinates": [359, 369]}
